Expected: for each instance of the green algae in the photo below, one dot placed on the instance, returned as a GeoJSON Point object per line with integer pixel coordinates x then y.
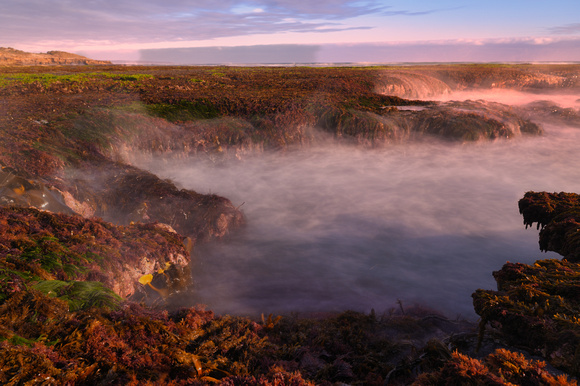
{"type": "Point", "coordinates": [80, 295]}
{"type": "Point", "coordinates": [184, 111]}
{"type": "Point", "coordinates": [46, 246]}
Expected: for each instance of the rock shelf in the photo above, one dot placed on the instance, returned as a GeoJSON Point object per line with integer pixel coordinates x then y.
{"type": "Point", "coordinates": [93, 249]}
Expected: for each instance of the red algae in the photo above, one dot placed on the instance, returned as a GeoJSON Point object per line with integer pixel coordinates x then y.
{"type": "Point", "coordinates": [69, 284]}
{"type": "Point", "coordinates": [50, 246]}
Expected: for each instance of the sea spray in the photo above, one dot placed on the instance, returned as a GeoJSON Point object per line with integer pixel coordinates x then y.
{"type": "Point", "coordinates": [338, 227]}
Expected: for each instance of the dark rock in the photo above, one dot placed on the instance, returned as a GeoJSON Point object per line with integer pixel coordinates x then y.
{"type": "Point", "coordinates": [558, 214]}
{"type": "Point", "coordinates": [474, 120]}
{"type": "Point", "coordinates": [123, 194]}
{"type": "Point", "coordinates": [536, 307]}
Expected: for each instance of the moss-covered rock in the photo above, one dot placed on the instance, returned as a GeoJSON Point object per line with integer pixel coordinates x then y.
{"type": "Point", "coordinates": [537, 306]}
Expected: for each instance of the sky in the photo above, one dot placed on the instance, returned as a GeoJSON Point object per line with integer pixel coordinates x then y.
{"type": "Point", "coordinates": [283, 31]}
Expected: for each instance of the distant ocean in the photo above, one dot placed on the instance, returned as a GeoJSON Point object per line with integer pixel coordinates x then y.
{"type": "Point", "coordinates": [320, 64]}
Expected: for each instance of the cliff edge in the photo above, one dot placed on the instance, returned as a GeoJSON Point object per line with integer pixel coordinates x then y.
{"type": "Point", "coordinates": [12, 57]}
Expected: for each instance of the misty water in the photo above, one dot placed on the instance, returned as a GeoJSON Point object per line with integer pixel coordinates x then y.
{"type": "Point", "coordinates": [335, 227]}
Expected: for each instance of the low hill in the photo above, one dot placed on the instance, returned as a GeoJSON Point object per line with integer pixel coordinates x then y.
{"type": "Point", "coordinates": [12, 57]}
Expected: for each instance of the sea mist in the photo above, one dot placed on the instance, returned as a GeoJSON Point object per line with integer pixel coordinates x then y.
{"type": "Point", "coordinates": [335, 227]}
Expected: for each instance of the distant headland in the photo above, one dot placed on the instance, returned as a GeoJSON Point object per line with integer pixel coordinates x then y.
{"type": "Point", "coordinates": [13, 57]}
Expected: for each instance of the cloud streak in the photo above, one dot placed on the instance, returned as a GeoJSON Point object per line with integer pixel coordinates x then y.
{"type": "Point", "coordinates": [568, 29]}
{"type": "Point", "coordinates": [416, 13]}
{"type": "Point", "coordinates": [172, 20]}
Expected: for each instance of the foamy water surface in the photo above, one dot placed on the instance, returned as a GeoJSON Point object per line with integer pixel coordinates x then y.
{"type": "Point", "coordinates": [337, 227]}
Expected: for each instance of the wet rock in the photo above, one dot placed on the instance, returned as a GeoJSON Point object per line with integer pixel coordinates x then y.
{"type": "Point", "coordinates": [536, 306]}
{"type": "Point", "coordinates": [122, 194]}
{"type": "Point", "coordinates": [551, 112]}
{"type": "Point", "coordinates": [16, 190]}
{"type": "Point", "coordinates": [162, 285]}
{"type": "Point", "coordinates": [411, 85]}
{"type": "Point", "coordinates": [473, 120]}
{"type": "Point", "coordinates": [558, 214]}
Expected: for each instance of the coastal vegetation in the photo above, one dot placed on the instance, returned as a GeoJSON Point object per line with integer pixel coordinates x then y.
{"type": "Point", "coordinates": [95, 252]}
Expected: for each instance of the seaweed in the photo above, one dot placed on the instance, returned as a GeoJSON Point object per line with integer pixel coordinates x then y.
{"type": "Point", "coordinates": [62, 320]}
{"type": "Point", "coordinates": [542, 207]}
{"type": "Point", "coordinates": [80, 295]}
{"type": "Point", "coordinates": [503, 367]}
{"type": "Point", "coordinates": [42, 246]}
{"type": "Point", "coordinates": [536, 306]}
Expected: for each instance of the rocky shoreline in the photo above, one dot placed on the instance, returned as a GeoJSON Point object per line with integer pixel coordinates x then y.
{"type": "Point", "coordinates": [86, 236]}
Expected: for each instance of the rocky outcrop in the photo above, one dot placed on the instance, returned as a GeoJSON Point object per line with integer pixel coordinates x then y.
{"type": "Point", "coordinates": [16, 190]}
{"type": "Point", "coordinates": [550, 112]}
{"type": "Point", "coordinates": [503, 76]}
{"type": "Point", "coordinates": [473, 120]}
{"type": "Point", "coordinates": [50, 246]}
{"type": "Point", "coordinates": [122, 194]}
{"type": "Point", "coordinates": [536, 307]}
{"type": "Point", "coordinates": [12, 57]}
{"type": "Point", "coordinates": [558, 216]}
{"type": "Point", "coordinates": [67, 140]}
